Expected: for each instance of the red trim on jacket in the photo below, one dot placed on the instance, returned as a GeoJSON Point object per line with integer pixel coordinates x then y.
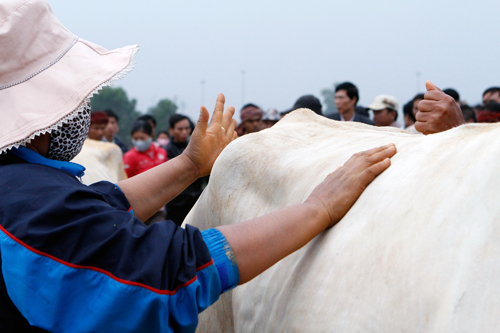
{"type": "Point", "coordinates": [158, 291]}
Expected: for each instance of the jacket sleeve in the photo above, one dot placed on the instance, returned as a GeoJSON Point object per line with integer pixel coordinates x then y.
{"type": "Point", "coordinates": [78, 260]}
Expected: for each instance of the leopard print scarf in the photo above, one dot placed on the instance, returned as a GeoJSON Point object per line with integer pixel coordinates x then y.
{"type": "Point", "coordinates": [67, 141]}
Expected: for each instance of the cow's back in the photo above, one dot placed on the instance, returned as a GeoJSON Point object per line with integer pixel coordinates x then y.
{"type": "Point", "coordinates": [418, 251]}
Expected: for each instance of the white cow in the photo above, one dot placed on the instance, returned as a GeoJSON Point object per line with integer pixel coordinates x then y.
{"type": "Point", "coordinates": [102, 161]}
{"type": "Point", "coordinates": [419, 251]}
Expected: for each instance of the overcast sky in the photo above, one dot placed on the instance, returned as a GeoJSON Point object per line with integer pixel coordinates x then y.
{"type": "Point", "coordinates": [272, 52]}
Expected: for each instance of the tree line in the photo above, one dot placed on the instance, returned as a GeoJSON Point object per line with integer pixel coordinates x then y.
{"type": "Point", "coordinates": [116, 99]}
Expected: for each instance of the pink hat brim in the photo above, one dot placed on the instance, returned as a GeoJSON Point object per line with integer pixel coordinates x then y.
{"type": "Point", "coordinates": [42, 103]}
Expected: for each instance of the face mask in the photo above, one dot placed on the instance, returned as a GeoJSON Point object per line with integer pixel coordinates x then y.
{"type": "Point", "coordinates": [163, 142]}
{"type": "Point", "coordinates": [67, 141]}
{"type": "Point", "coordinates": [142, 146]}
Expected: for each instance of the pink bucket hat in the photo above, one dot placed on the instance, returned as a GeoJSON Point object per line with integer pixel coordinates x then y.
{"type": "Point", "coordinates": [47, 74]}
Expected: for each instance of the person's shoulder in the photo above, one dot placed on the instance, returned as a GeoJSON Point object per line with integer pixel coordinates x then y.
{"type": "Point", "coordinates": [112, 148]}
{"type": "Point", "coordinates": [172, 151]}
{"type": "Point", "coordinates": [397, 124]}
{"type": "Point", "coordinates": [160, 152]}
{"type": "Point", "coordinates": [169, 145]}
{"type": "Point", "coordinates": [117, 140]}
{"type": "Point", "coordinates": [23, 171]}
{"type": "Point", "coordinates": [130, 156]}
{"type": "Point", "coordinates": [130, 153]}
{"type": "Point", "coordinates": [334, 116]}
{"type": "Point", "coordinates": [120, 143]}
{"type": "Point", "coordinates": [363, 119]}
{"type": "Point", "coordinates": [160, 149]}
{"type": "Point", "coordinates": [115, 152]}
{"type": "Point", "coordinates": [35, 179]}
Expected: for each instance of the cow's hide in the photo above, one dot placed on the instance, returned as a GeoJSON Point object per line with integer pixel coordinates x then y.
{"type": "Point", "coordinates": [419, 251]}
{"type": "Point", "coordinates": [102, 161]}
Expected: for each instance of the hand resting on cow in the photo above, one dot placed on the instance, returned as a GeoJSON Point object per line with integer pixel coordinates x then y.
{"type": "Point", "coordinates": [259, 243]}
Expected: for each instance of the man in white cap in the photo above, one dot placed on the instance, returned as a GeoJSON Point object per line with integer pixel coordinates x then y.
{"type": "Point", "coordinates": [78, 258]}
{"type": "Point", "coordinates": [271, 117]}
{"type": "Point", "coordinates": [385, 111]}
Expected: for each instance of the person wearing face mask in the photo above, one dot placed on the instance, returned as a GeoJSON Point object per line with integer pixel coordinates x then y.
{"type": "Point", "coordinates": [144, 155]}
{"type": "Point", "coordinates": [163, 139]}
{"type": "Point", "coordinates": [78, 258]}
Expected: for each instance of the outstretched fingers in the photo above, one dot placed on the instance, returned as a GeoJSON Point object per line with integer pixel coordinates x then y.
{"type": "Point", "coordinates": [372, 163]}
{"type": "Point", "coordinates": [374, 170]}
{"type": "Point", "coordinates": [340, 190]}
{"type": "Point", "coordinates": [218, 110]}
{"type": "Point", "coordinates": [374, 155]}
{"type": "Point", "coordinates": [223, 121]}
{"type": "Point", "coordinates": [381, 153]}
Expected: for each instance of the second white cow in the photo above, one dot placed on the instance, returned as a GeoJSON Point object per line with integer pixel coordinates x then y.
{"type": "Point", "coordinates": [419, 251]}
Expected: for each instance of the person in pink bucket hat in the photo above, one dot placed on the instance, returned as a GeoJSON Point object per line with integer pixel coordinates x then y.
{"type": "Point", "coordinates": [77, 258]}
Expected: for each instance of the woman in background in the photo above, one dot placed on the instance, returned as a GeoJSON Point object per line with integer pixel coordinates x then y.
{"type": "Point", "coordinates": [145, 154]}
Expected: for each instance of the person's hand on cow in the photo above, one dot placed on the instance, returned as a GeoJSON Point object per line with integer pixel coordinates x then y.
{"type": "Point", "coordinates": [438, 111]}
{"type": "Point", "coordinates": [259, 243]}
{"type": "Point", "coordinates": [208, 141]}
{"type": "Point", "coordinates": [340, 190]}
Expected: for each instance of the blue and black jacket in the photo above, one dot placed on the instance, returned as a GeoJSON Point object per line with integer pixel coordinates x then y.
{"type": "Point", "coordinates": [75, 259]}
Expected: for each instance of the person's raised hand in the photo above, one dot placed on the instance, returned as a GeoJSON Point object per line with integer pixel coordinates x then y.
{"type": "Point", "coordinates": [437, 112]}
{"type": "Point", "coordinates": [341, 188]}
{"type": "Point", "coordinates": [208, 141]}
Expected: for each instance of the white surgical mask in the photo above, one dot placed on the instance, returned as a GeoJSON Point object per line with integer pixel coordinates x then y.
{"type": "Point", "coordinates": [141, 145]}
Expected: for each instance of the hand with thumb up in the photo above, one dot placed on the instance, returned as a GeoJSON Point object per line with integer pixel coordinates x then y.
{"type": "Point", "coordinates": [437, 112]}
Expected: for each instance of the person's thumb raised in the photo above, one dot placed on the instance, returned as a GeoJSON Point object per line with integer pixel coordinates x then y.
{"type": "Point", "coordinates": [430, 86]}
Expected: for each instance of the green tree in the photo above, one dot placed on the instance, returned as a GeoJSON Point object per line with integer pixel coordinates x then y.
{"type": "Point", "coordinates": [162, 112]}
{"type": "Point", "coordinates": [329, 99]}
{"type": "Point", "coordinates": [117, 100]}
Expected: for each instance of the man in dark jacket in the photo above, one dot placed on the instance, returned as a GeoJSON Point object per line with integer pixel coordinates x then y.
{"type": "Point", "coordinates": [346, 98]}
{"type": "Point", "coordinates": [111, 131]}
{"type": "Point", "coordinates": [179, 207]}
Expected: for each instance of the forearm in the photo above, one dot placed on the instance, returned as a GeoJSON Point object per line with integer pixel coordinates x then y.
{"type": "Point", "coordinates": [149, 191]}
{"type": "Point", "coordinates": [260, 243]}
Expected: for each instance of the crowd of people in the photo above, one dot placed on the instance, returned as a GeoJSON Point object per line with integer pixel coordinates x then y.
{"type": "Point", "coordinates": [146, 152]}
{"type": "Point", "coordinates": [383, 111]}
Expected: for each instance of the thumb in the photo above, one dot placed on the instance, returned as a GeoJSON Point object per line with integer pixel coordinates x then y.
{"type": "Point", "coordinates": [203, 120]}
{"type": "Point", "coordinates": [430, 86]}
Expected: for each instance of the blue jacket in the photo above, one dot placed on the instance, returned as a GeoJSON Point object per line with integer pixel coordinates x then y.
{"type": "Point", "coordinates": [75, 259]}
